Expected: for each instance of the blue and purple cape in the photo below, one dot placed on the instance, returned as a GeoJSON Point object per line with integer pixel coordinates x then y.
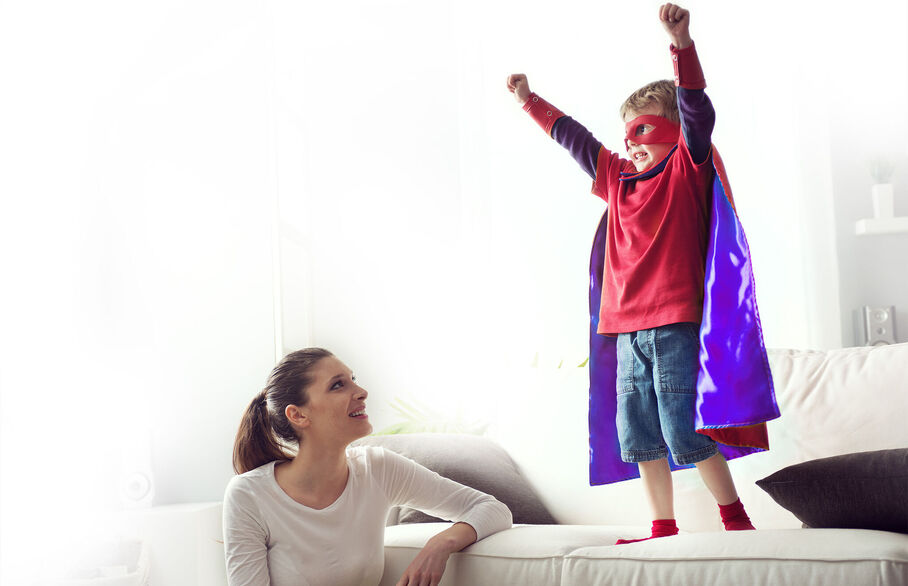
{"type": "Point", "coordinates": [735, 395]}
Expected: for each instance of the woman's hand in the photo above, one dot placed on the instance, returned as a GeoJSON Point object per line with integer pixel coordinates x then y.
{"type": "Point", "coordinates": [429, 564]}
{"type": "Point", "coordinates": [426, 569]}
{"type": "Point", "coordinates": [676, 22]}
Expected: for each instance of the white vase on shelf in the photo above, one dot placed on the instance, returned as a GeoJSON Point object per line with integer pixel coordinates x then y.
{"type": "Point", "coordinates": [883, 202]}
{"type": "Point", "coordinates": [884, 220]}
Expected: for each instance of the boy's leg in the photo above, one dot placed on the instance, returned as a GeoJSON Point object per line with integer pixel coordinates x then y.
{"type": "Point", "coordinates": [637, 417]}
{"type": "Point", "coordinates": [675, 368]}
{"type": "Point", "coordinates": [718, 480]}
{"type": "Point", "coordinates": [638, 429]}
{"type": "Point", "coordinates": [657, 481]}
{"type": "Point", "coordinates": [717, 477]}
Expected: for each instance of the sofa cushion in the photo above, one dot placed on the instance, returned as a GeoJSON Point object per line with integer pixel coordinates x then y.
{"type": "Point", "coordinates": [581, 555]}
{"type": "Point", "coordinates": [472, 460]}
{"type": "Point", "coordinates": [864, 490]}
{"type": "Point", "coordinates": [525, 555]}
{"type": "Point", "coordinates": [833, 403]}
{"type": "Point", "coordinates": [780, 557]}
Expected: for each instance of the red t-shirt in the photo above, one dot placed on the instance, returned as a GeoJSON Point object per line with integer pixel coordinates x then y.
{"type": "Point", "coordinates": [656, 242]}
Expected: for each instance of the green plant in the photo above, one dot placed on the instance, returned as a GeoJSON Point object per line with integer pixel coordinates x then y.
{"type": "Point", "coordinates": [419, 418]}
{"type": "Point", "coordinates": [535, 362]}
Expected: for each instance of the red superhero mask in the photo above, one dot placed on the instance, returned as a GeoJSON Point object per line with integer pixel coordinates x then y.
{"type": "Point", "coordinates": [664, 130]}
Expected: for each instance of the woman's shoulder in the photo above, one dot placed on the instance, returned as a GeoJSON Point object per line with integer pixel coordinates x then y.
{"type": "Point", "coordinates": [372, 453]}
{"type": "Point", "coordinates": [365, 457]}
{"type": "Point", "coordinates": [251, 481]}
{"type": "Point", "coordinates": [377, 460]}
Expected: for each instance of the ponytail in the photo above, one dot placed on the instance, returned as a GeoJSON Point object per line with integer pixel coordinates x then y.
{"type": "Point", "coordinates": [255, 443]}
{"type": "Point", "coordinates": [265, 433]}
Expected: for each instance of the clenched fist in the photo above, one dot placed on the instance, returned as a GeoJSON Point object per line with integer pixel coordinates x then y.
{"type": "Point", "coordinates": [676, 22]}
{"type": "Point", "coordinates": [519, 86]}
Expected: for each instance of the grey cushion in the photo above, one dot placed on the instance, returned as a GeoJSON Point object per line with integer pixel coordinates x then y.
{"type": "Point", "coordinates": [472, 460]}
{"type": "Point", "coordinates": [864, 490]}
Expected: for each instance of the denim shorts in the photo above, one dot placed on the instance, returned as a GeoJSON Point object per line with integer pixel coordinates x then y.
{"type": "Point", "coordinates": [657, 394]}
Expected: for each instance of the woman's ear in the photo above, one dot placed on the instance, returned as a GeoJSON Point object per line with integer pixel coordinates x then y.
{"type": "Point", "coordinates": [297, 417]}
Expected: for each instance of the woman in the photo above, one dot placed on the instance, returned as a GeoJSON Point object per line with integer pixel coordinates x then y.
{"type": "Point", "coordinates": [316, 514]}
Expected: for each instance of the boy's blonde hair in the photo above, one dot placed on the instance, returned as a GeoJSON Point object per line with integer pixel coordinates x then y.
{"type": "Point", "coordinates": [660, 92]}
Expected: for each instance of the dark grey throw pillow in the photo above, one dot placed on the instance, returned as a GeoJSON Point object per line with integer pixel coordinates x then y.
{"type": "Point", "coordinates": [472, 460]}
{"type": "Point", "coordinates": [864, 490]}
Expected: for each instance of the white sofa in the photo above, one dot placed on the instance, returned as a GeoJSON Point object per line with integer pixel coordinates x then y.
{"type": "Point", "coordinates": [832, 403]}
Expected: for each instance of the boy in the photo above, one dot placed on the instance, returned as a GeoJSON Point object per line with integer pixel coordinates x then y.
{"type": "Point", "coordinates": [661, 244]}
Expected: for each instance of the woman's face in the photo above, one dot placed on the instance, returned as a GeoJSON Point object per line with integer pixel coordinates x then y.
{"type": "Point", "coordinates": [337, 405]}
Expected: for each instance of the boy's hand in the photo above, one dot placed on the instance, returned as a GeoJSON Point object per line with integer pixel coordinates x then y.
{"type": "Point", "coordinates": [676, 22]}
{"type": "Point", "coordinates": [518, 85]}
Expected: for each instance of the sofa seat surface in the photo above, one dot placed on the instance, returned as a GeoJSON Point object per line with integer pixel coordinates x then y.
{"type": "Point", "coordinates": [525, 555]}
{"type": "Point", "coordinates": [797, 557]}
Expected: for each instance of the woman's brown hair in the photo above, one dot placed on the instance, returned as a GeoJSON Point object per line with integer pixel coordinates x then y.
{"type": "Point", "coordinates": [265, 434]}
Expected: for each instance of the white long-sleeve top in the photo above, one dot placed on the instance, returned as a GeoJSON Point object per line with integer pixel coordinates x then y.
{"type": "Point", "coordinates": [272, 540]}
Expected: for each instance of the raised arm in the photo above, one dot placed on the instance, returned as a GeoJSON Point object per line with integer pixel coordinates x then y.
{"type": "Point", "coordinates": [697, 114]}
{"type": "Point", "coordinates": [566, 131]}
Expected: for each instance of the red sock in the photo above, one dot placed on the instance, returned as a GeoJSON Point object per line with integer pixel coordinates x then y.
{"type": "Point", "coordinates": [734, 517]}
{"type": "Point", "coordinates": [661, 528]}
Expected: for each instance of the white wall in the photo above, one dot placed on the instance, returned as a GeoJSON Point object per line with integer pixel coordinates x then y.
{"type": "Point", "coordinates": [136, 257]}
{"type": "Point", "coordinates": [870, 125]}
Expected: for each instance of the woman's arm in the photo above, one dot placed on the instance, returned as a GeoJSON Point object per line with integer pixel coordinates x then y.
{"type": "Point", "coordinates": [408, 484]}
{"type": "Point", "coordinates": [245, 539]}
{"type": "Point", "coordinates": [476, 514]}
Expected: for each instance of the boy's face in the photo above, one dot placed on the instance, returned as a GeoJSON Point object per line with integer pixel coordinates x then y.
{"type": "Point", "coordinates": [645, 156]}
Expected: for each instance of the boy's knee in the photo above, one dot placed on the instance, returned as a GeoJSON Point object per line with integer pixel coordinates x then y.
{"type": "Point", "coordinates": [692, 456]}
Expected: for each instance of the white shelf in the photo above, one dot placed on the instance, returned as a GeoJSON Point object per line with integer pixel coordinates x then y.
{"type": "Point", "coordinates": [881, 226]}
